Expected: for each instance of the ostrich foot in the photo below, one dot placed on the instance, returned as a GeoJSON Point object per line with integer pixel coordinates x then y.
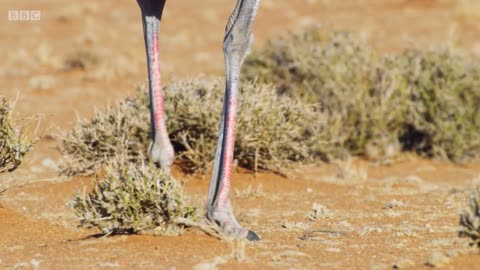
{"type": "Point", "coordinates": [229, 225]}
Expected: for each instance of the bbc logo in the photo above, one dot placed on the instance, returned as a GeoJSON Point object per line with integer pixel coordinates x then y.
{"type": "Point", "coordinates": [24, 15]}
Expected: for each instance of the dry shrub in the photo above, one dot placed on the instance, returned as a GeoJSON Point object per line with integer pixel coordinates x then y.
{"type": "Point", "coordinates": [362, 110]}
{"type": "Point", "coordinates": [272, 131]}
{"type": "Point", "coordinates": [13, 144]}
{"type": "Point", "coordinates": [121, 131]}
{"type": "Point", "coordinates": [423, 101]}
{"type": "Point", "coordinates": [470, 219]}
{"type": "Point", "coordinates": [81, 59]}
{"type": "Point", "coordinates": [132, 198]}
{"type": "Point", "coordinates": [311, 64]}
{"type": "Point", "coordinates": [442, 117]}
{"type": "Point", "coordinates": [332, 97]}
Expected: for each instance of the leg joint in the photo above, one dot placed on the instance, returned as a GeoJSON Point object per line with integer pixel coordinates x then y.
{"type": "Point", "coordinates": [237, 44]}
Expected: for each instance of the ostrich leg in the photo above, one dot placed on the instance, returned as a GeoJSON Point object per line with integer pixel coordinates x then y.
{"type": "Point", "coordinates": [238, 38]}
{"type": "Point", "coordinates": [160, 150]}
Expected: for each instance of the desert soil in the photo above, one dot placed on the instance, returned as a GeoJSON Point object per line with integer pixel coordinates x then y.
{"type": "Point", "coordinates": [354, 214]}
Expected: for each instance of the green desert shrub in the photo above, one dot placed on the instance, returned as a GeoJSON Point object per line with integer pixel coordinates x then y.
{"type": "Point", "coordinates": [357, 92]}
{"type": "Point", "coordinates": [133, 198]}
{"type": "Point", "coordinates": [443, 113]}
{"type": "Point", "coordinates": [470, 219]}
{"type": "Point", "coordinates": [424, 101]}
{"type": "Point", "coordinates": [314, 66]}
{"type": "Point", "coordinates": [13, 144]}
{"type": "Point", "coordinates": [271, 130]}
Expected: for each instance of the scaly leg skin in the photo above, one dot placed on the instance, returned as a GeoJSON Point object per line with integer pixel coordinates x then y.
{"type": "Point", "coordinates": [238, 39]}
{"type": "Point", "coordinates": [160, 151]}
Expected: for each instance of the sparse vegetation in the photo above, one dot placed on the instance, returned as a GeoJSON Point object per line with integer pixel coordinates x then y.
{"type": "Point", "coordinates": [122, 131]}
{"type": "Point", "coordinates": [470, 219]}
{"type": "Point", "coordinates": [134, 198]}
{"type": "Point", "coordinates": [422, 101]}
{"type": "Point", "coordinates": [332, 97]}
{"type": "Point", "coordinates": [319, 212]}
{"type": "Point", "coordinates": [272, 131]}
{"type": "Point", "coordinates": [81, 59]}
{"type": "Point", "coordinates": [402, 215]}
{"type": "Point", "coordinates": [345, 77]}
{"type": "Point", "coordinates": [442, 117]}
{"type": "Point", "coordinates": [13, 144]}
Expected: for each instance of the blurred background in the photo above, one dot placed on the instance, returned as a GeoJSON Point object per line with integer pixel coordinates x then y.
{"type": "Point", "coordinates": [85, 54]}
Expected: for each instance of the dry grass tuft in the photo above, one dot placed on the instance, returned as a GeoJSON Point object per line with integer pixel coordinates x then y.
{"type": "Point", "coordinates": [272, 131]}
{"type": "Point", "coordinates": [119, 132]}
{"type": "Point", "coordinates": [133, 198]}
{"type": "Point", "coordinates": [13, 144]}
{"type": "Point", "coordinates": [470, 219]}
{"type": "Point", "coordinates": [81, 59]}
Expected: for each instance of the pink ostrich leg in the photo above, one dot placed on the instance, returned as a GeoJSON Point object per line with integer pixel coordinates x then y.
{"type": "Point", "coordinates": [160, 150]}
{"type": "Point", "coordinates": [237, 41]}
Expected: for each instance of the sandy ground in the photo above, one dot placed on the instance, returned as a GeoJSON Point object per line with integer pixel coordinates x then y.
{"type": "Point", "coordinates": [354, 214]}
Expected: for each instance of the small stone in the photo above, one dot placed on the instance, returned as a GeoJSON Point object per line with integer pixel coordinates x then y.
{"type": "Point", "coordinates": [393, 204]}
{"type": "Point", "coordinates": [49, 163]}
{"type": "Point", "coordinates": [35, 264]}
{"type": "Point", "coordinates": [438, 259]}
{"type": "Point", "coordinates": [403, 263]}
